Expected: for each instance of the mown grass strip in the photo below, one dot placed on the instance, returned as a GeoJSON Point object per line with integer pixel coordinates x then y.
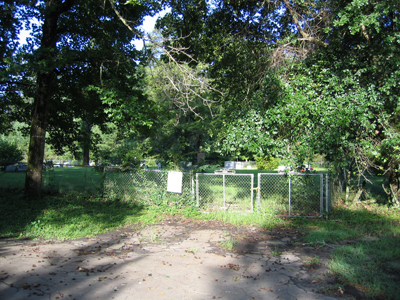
{"type": "Point", "coordinates": [372, 267]}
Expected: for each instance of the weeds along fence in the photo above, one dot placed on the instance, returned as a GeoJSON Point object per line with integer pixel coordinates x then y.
{"type": "Point", "coordinates": [147, 187]}
{"type": "Point", "coordinates": [279, 194]}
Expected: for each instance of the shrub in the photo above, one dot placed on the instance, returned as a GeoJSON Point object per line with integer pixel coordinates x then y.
{"type": "Point", "coordinates": [9, 153]}
{"type": "Point", "coordinates": [270, 163]}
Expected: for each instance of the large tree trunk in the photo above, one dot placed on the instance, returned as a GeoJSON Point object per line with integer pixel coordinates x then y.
{"type": "Point", "coordinates": [33, 181]}
{"type": "Point", "coordinates": [86, 136]}
{"type": "Point", "coordinates": [47, 56]}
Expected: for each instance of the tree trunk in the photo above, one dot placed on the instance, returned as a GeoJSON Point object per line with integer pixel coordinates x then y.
{"type": "Point", "coordinates": [33, 180]}
{"type": "Point", "coordinates": [86, 136]}
{"type": "Point", "coordinates": [46, 59]}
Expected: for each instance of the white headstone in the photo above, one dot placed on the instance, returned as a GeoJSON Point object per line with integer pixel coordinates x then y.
{"type": "Point", "coordinates": [229, 165]}
{"type": "Point", "coordinates": [239, 165]}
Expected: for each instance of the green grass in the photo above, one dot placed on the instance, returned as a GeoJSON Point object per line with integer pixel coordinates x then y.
{"type": "Point", "coordinates": [371, 263]}
{"type": "Point", "coordinates": [66, 216]}
{"type": "Point", "coordinates": [81, 180]}
{"type": "Point", "coordinates": [372, 267]}
{"type": "Point", "coordinates": [228, 244]}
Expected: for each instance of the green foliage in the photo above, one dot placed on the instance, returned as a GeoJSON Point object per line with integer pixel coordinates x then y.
{"type": "Point", "coordinates": [82, 76]}
{"type": "Point", "coordinates": [9, 153]}
{"type": "Point", "coordinates": [270, 163]}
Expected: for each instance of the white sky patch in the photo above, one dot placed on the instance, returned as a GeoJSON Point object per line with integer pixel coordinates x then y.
{"type": "Point", "coordinates": [148, 26]}
{"type": "Point", "coordinates": [23, 35]}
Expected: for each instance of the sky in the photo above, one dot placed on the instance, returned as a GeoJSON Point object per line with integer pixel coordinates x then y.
{"type": "Point", "coordinates": [148, 26]}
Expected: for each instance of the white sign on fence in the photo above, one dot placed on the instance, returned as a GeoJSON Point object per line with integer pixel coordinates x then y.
{"type": "Point", "coordinates": [174, 183]}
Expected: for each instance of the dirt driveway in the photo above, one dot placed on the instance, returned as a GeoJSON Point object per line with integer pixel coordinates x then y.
{"type": "Point", "coordinates": [177, 259]}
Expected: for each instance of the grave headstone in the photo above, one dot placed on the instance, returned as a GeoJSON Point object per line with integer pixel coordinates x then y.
{"type": "Point", "coordinates": [22, 168]}
{"type": "Point", "coordinates": [11, 168]}
{"type": "Point", "coordinates": [281, 169]}
{"type": "Point", "coordinates": [229, 165]}
{"type": "Point", "coordinates": [239, 165]}
{"type": "Point", "coordinates": [201, 157]}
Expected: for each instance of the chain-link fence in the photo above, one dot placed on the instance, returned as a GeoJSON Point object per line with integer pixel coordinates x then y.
{"type": "Point", "coordinates": [280, 194]}
{"type": "Point", "coordinates": [79, 180]}
{"type": "Point", "coordinates": [228, 192]}
{"type": "Point", "coordinates": [292, 194]}
{"type": "Point", "coordinates": [147, 187]}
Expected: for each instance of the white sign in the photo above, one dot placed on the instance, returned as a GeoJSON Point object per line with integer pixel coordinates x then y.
{"type": "Point", "coordinates": [174, 183]}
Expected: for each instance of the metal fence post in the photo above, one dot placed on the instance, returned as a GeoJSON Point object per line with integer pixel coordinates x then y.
{"type": "Point", "coordinates": [252, 193]}
{"type": "Point", "coordinates": [192, 185]}
{"type": "Point", "coordinates": [258, 192]}
{"type": "Point", "coordinates": [223, 188]}
{"type": "Point", "coordinates": [321, 194]}
{"type": "Point", "coordinates": [197, 190]}
{"type": "Point", "coordinates": [327, 193]}
{"type": "Point", "coordinates": [290, 194]}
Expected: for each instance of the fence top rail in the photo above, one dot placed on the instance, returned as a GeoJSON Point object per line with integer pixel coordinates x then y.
{"type": "Point", "coordinates": [293, 174]}
{"type": "Point", "coordinates": [226, 174]}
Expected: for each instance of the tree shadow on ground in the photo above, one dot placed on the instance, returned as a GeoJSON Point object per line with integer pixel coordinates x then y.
{"type": "Point", "coordinates": [60, 216]}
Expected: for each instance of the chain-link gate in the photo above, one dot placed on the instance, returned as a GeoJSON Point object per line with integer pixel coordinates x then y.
{"type": "Point", "coordinates": [291, 194]}
{"type": "Point", "coordinates": [225, 191]}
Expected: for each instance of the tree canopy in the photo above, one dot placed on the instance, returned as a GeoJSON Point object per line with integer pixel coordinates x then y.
{"type": "Point", "coordinates": [77, 69]}
{"type": "Point", "coordinates": [286, 78]}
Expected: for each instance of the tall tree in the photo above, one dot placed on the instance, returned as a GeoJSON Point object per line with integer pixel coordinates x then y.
{"type": "Point", "coordinates": [9, 29]}
{"type": "Point", "coordinates": [79, 54]}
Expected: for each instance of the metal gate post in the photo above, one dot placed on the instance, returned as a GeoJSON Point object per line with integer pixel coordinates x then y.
{"type": "Point", "coordinates": [321, 195]}
{"type": "Point", "coordinates": [251, 191]}
{"type": "Point", "coordinates": [197, 190]}
{"type": "Point", "coordinates": [192, 185]}
{"type": "Point", "coordinates": [290, 194]}
{"type": "Point", "coordinates": [259, 192]}
{"type": "Point", "coordinates": [223, 188]}
{"type": "Point", "coordinates": [327, 193]}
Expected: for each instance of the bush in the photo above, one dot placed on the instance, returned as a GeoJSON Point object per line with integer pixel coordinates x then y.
{"type": "Point", "coordinates": [267, 163]}
{"type": "Point", "coordinates": [9, 153]}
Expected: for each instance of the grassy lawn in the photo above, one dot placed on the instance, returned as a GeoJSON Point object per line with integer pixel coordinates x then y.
{"type": "Point", "coordinates": [370, 261]}
{"type": "Point", "coordinates": [81, 180]}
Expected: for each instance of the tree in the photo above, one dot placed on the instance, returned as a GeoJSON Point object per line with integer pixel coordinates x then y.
{"type": "Point", "coordinates": [72, 56]}
{"type": "Point", "coordinates": [183, 94]}
{"type": "Point", "coordinates": [341, 101]}
{"type": "Point", "coordinates": [9, 29]}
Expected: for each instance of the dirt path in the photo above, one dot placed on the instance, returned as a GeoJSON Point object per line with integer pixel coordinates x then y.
{"type": "Point", "coordinates": [178, 259]}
